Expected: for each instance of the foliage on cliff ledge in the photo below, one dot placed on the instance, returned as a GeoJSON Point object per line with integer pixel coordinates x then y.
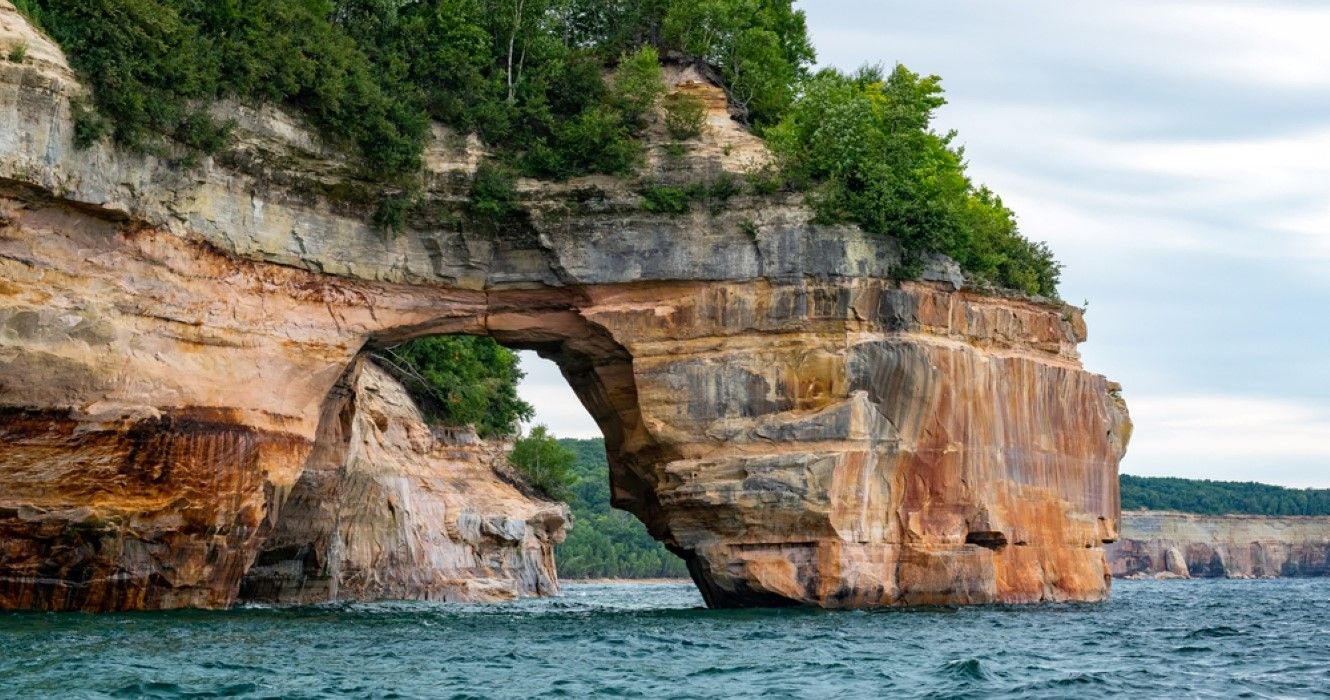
{"type": "Point", "coordinates": [863, 146]}
{"type": "Point", "coordinates": [544, 463]}
{"type": "Point", "coordinates": [1220, 497]}
{"type": "Point", "coordinates": [462, 380]}
{"type": "Point", "coordinates": [530, 76]}
{"type": "Point", "coordinates": [527, 75]}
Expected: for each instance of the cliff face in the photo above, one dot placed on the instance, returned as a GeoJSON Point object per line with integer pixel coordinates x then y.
{"type": "Point", "coordinates": [387, 509]}
{"type": "Point", "coordinates": [1220, 546]}
{"type": "Point", "coordinates": [794, 424]}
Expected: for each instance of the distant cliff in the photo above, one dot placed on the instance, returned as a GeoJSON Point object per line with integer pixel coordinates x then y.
{"type": "Point", "coordinates": [1220, 546]}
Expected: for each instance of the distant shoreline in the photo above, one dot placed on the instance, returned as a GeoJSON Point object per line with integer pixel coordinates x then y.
{"type": "Point", "coordinates": [604, 581]}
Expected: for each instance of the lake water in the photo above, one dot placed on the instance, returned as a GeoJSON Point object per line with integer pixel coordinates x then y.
{"type": "Point", "coordinates": [1178, 638]}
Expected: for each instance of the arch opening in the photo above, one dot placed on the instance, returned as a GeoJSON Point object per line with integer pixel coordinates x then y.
{"type": "Point", "coordinates": [395, 504]}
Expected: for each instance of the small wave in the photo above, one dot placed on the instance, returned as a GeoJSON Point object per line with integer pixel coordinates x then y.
{"type": "Point", "coordinates": [969, 669]}
{"type": "Point", "coordinates": [723, 671]}
{"type": "Point", "coordinates": [1078, 680]}
{"type": "Point", "coordinates": [1214, 632]}
{"type": "Point", "coordinates": [154, 689]}
{"type": "Point", "coordinates": [1193, 649]}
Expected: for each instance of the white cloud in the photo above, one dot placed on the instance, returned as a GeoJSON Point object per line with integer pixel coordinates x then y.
{"type": "Point", "coordinates": [1231, 436]}
{"type": "Point", "coordinates": [1262, 43]}
{"type": "Point", "coordinates": [557, 407]}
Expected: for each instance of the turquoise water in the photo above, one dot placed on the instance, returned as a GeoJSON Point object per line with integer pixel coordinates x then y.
{"type": "Point", "coordinates": [1184, 638]}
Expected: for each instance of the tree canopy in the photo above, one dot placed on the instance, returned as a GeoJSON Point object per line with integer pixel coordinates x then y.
{"type": "Point", "coordinates": [1220, 497]}
{"type": "Point", "coordinates": [557, 89]}
{"type": "Point", "coordinates": [864, 147]}
{"type": "Point", "coordinates": [462, 380]}
{"type": "Point", "coordinates": [546, 464]}
{"type": "Point", "coordinates": [527, 75]}
{"type": "Point", "coordinates": [604, 542]}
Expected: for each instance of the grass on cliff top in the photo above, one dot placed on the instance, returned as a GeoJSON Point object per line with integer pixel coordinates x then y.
{"type": "Point", "coordinates": [530, 76]}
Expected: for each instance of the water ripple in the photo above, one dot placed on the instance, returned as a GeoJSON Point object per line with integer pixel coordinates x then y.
{"type": "Point", "coordinates": [1215, 639]}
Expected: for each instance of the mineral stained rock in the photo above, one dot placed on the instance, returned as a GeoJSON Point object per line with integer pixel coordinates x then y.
{"type": "Point", "coordinates": [796, 425]}
{"type": "Point", "coordinates": [1185, 545]}
{"type": "Point", "coordinates": [388, 509]}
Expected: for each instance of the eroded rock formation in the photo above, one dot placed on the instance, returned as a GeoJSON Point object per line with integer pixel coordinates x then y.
{"type": "Point", "coordinates": [1186, 545]}
{"type": "Point", "coordinates": [796, 425]}
{"type": "Point", "coordinates": [388, 509]}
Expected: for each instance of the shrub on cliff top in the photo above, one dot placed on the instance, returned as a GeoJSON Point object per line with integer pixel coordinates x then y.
{"type": "Point", "coordinates": [155, 66]}
{"type": "Point", "coordinates": [863, 146]}
{"type": "Point", "coordinates": [526, 74]}
{"type": "Point", "coordinates": [685, 116]}
{"type": "Point", "coordinates": [529, 76]}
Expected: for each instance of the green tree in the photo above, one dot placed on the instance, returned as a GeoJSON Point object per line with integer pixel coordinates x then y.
{"type": "Point", "coordinates": [1220, 497]}
{"type": "Point", "coordinates": [544, 463]}
{"type": "Point", "coordinates": [530, 77]}
{"type": "Point", "coordinates": [462, 380]}
{"type": "Point", "coordinates": [761, 47]}
{"type": "Point", "coordinates": [637, 85]}
{"type": "Point", "coordinates": [154, 65]}
{"type": "Point", "coordinates": [605, 542]}
{"type": "Point", "coordinates": [863, 147]}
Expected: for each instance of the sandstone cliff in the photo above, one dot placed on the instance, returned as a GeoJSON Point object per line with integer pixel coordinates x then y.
{"type": "Point", "coordinates": [793, 423]}
{"type": "Point", "coordinates": [1220, 546]}
{"type": "Point", "coordinates": [388, 509]}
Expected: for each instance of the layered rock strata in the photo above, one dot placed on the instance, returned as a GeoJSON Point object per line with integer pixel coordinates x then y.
{"type": "Point", "coordinates": [796, 425]}
{"type": "Point", "coordinates": [389, 509]}
{"type": "Point", "coordinates": [1185, 545]}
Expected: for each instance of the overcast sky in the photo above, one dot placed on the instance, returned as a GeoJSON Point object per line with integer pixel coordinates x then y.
{"type": "Point", "coordinates": [1176, 155]}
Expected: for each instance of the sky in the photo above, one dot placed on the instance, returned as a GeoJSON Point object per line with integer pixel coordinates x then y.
{"type": "Point", "coordinates": [1176, 155]}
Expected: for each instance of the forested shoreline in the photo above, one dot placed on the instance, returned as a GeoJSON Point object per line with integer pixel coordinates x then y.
{"type": "Point", "coordinates": [604, 542]}
{"type": "Point", "coordinates": [1205, 497]}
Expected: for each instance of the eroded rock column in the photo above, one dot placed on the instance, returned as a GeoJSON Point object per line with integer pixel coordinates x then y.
{"type": "Point", "coordinates": [860, 443]}
{"type": "Point", "coordinates": [389, 509]}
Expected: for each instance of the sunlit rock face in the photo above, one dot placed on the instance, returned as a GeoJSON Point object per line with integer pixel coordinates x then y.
{"type": "Point", "coordinates": [389, 509]}
{"type": "Point", "coordinates": [797, 426]}
{"type": "Point", "coordinates": [1161, 543]}
{"type": "Point", "coordinates": [860, 443]}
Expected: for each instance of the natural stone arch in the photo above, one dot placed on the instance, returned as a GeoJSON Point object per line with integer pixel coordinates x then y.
{"type": "Point", "coordinates": [798, 425]}
{"type": "Point", "coordinates": [828, 441]}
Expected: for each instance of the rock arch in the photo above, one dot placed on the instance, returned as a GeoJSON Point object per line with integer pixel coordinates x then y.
{"type": "Point", "coordinates": [796, 424]}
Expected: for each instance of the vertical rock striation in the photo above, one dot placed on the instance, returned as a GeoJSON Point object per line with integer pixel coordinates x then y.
{"type": "Point", "coordinates": [798, 426]}
{"type": "Point", "coordinates": [864, 443]}
{"type": "Point", "coordinates": [1185, 545]}
{"type": "Point", "coordinates": [388, 509]}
